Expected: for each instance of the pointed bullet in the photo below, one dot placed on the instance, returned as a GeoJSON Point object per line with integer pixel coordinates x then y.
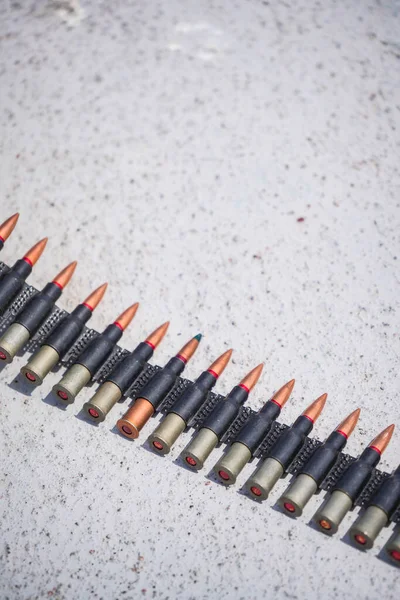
{"type": "Point", "coordinates": [124, 320]}
{"type": "Point", "coordinates": [156, 337]}
{"type": "Point", "coordinates": [351, 483]}
{"type": "Point", "coordinates": [315, 409]}
{"type": "Point", "coordinates": [61, 339]}
{"type": "Point", "coordinates": [186, 353]}
{"type": "Point", "coordinates": [187, 405]}
{"type": "Point", "coordinates": [283, 394]}
{"type": "Point", "coordinates": [33, 255]}
{"type": "Point", "coordinates": [33, 315]}
{"type": "Point", "coordinates": [245, 444]}
{"type": "Point", "coordinates": [380, 510]}
{"type": "Point", "coordinates": [64, 276]}
{"type": "Point", "coordinates": [283, 452]}
{"type": "Point", "coordinates": [348, 425]}
{"type": "Point", "coordinates": [251, 378]}
{"type": "Point", "coordinates": [219, 365]}
{"type": "Point", "coordinates": [94, 299]}
{"type": "Point", "coordinates": [7, 227]}
{"type": "Point", "coordinates": [381, 441]}
{"type": "Point", "coordinates": [155, 391]}
{"type": "Point", "coordinates": [13, 281]}
{"type": "Point", "coordinates": [314, 471]}
{"type": "Point", "coordinates": [219, 421]}
{"type": "Point", "coordinates": [93, 356]}
{"type": "Point", "coordinates": [122, 377]}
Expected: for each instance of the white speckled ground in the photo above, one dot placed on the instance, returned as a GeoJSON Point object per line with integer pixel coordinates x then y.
{"type": "Point", "coordinates": [172, 148]}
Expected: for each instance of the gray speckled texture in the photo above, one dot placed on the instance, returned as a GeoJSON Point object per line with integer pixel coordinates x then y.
{"type": "Point", "coordinates": [172, 148]}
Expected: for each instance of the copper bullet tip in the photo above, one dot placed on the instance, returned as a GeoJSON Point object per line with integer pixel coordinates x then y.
{"type": "Point", "coordinates": [189, 349]}
{"type": "Point", "coordinates": [315, 409]}
{"type": "Point", "coordinates": [123, 320]}
{"type": "Point", "coordinates": [348, 425]}
{"type": "Point", "coordinates": [33, 255]}
{"type": "Point", "coordinates": [218, 366]}
{"type": "Point", "coordinates": [251, 378]}
{"type": "Point", "coordinates": [94, 299]}
{"type": "Point", "coordinates": [156, 337]}
{"type": "Point", "coordinates": [283, 394]}
{"type": "Point", "coordinates": [7, 227]}
{"type": "Point", "coordinates": [64, 276]}
{"type": "Point", "coordinates": [381, 441]}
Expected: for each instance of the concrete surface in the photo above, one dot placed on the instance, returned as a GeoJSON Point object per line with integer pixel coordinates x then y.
{"type": "Point", "coordinates": [235, 167]}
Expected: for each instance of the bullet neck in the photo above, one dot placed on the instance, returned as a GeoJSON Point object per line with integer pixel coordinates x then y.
{"type": "Point", "coordinates": [113, 332]}
{"type": "Point", "coordinates": [143, 352]}
{"type": "Point", "coordinates": [175, 365]}
{"type": "Point", "coordinates": [82, 312]}
{"type": "Point", "coordinates": [336, 440]}
{"type": "Point", "coordinates": [371, 456]}
{"type": "Point", "coordinates": [28, 261]}
{"type": "Point", "coordinates": [207, 380]}
{"type": "Point", "coordinates": [193, 397]}
{"type": "Point", "coordinates": [181, 358]}
{"type": "Point", "coordinates": [213, 373]}
{"type": "Point", "coordinates": [152, 346]}
{"type": "Point", "coordinates": [127, 370]}
{"type": "Point", "coordinates": [270, 405]}
{"type": "Point", "coordinates": [87, 306]}
{"type": "Point", "coordinates": [303, 424]}
{"type": "Point", "coordinates": [238, 394]}
{"type": "Point", "coordinates": [22, 268]}
{"type": "Point", "coordinates": [342, 433]}
{"type": "Point", "coordinates": [275, 402]}
{"type": "Point", "coordinates": [257, 426]}
{"type": "Point", "coordinates": [53, 290]}
{"type": "Point", "coordinates": [309, 418]}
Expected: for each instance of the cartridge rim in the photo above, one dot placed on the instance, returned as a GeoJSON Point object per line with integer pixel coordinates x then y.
{"type": "Point", "coordinates": [13, 341]}
{"type": "Point", "coordinates": [94, 412]}
{"type": "Point", "coordinates": [5, 356]}
{"type": "Point", "coordinates": [394, 554]}
{"type": "Point", "coordinates": [159, 445]}
{"type": "Point", "coordinates": [297, 495]}
{"type": "Point", "coordinates": [31, 376]}
{"type": "Point", "coordinates": [256, 491]}
{"type": "Point", "coordinates": [361, 539]}
{"type": "Point", "coordinates": [326, 525]}
{"type": "Point", "coordinates": [368, 526]}
{"type": "Point", "coordinates": [228, 468]}
{"type": "Point", "coordinates": [261, 483]}
{"type": "Point", "coordinates": [72, 383]}
{"type": "Point", "coordinates": [226, 475]}
{"type": "Point", "coordinates": [290, 506]}
{"type": "Point", "coordinates": [63, 394]}
{"type": "Point", "coordinates": [199, 449]}
{"type": "Point", "coordinates": [40, 364]}
{"type": "Point", "coordinates": [136, 417]}
{"type": "Point", "coordinates": [128, 429]}
{"type": "Point", "coordinates": [329, 517]}
{"type": "Point", "coordinates": [192, 461]}
{"type": "Point", "coordinates": [167, 433]}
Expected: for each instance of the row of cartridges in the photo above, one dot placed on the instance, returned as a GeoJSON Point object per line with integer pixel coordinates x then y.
{"type": "Point", "coordinates": [380, 508]}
